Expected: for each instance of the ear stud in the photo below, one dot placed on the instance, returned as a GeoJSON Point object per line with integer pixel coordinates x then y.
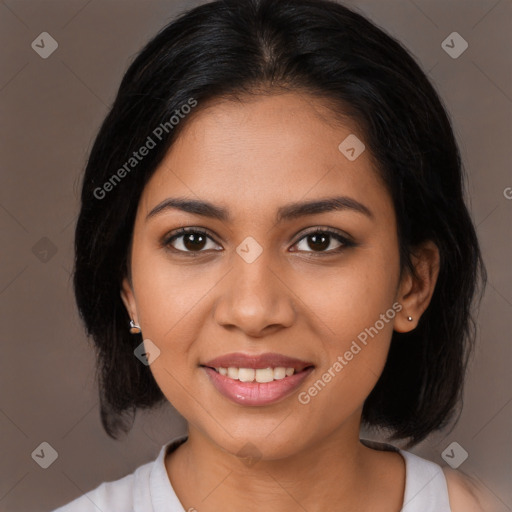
{"type": "Point", "coordinates": [134, 328]}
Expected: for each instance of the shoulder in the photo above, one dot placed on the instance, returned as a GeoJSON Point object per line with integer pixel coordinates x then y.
{"type": "Point", "coordinates": [465, 493]}
{"type": "Point", "coordinates": [116, 495]}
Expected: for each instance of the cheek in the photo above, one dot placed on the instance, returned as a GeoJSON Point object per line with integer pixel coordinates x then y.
{"type": "Point", "coordinates": [353, 362]}
{"type": "Point", "coordinates": [168, 295]}
{"type": "Point", "coordinates": [170, 305]}
{"type": "Point", "coordinates": [350, 299]}
{"type": "Point", "coordinates": [354, 309]}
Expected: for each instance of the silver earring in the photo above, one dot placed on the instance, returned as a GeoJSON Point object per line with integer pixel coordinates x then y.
{"type": "Point", "coordinates": [409, 318]}
{"type": "Point", "coordinates": [134, 328]}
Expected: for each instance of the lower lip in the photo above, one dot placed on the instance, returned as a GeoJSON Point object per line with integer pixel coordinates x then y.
{"type": "Point", "coordinates": [255, 393]}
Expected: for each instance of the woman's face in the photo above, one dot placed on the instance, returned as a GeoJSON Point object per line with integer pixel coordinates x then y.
{"type": "Point", "coordinates": [257, 282]}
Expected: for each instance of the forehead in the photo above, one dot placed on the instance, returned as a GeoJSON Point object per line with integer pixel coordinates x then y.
{"type": "Point", "coordinates": [266, 151]}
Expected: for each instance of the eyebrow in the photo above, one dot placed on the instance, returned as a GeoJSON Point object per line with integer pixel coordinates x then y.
{"type": "Point", "coordinates": [284, 213]}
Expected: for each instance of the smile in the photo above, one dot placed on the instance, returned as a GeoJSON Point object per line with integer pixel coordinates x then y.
{"type": "Point", "coordinates": [256, 380]}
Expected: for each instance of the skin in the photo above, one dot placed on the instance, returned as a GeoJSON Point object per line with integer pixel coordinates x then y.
{"type": "Point", "coordinates": [251, 158]}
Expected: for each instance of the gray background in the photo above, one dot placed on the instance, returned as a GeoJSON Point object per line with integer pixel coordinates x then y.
{"type": "Point", "coordinates": [51, 109]}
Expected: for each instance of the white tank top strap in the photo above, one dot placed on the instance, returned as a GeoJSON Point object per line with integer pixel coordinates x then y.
{"type": "Point", "coordinates": [425, 483]}
{"type": "Point", "coordinates": [426, 488]}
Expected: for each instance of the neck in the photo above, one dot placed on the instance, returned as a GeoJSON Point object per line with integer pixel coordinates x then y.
{"type": "Point", "coordinates": [335, 469]}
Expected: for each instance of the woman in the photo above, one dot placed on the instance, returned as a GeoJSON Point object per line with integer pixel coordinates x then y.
{"type": "Point", "coordinates": [273, 238]}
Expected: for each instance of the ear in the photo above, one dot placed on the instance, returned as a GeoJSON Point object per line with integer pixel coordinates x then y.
{"type": "Point", "coordinates": [414, 293]}
{"type": "Point", "coordinates": [129, 299]}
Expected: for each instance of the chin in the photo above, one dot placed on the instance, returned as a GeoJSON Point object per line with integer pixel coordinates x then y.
{"type": "Point", "coordinates": [259, 442]}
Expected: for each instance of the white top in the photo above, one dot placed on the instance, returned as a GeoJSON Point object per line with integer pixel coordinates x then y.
{"type": "Point", "coordinates": [148, 488]}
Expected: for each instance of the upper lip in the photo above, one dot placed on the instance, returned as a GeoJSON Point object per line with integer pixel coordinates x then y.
{"type": "Point", "coordinates": [267, 360]}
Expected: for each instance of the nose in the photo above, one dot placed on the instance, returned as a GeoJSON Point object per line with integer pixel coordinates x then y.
{"type": "Point", "coordinates": [255, 298]}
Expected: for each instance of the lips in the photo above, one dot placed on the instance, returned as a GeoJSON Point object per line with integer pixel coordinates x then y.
{"type": "Point", "coordinates": [267, 360]}
{"type": "Point", "coordinates": [254, 393]}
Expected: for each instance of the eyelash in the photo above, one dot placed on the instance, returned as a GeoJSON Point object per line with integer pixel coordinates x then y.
{"type": "Point", "coordinates": [346, 243]}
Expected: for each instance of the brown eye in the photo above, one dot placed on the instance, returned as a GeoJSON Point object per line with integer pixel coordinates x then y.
{"type": "Point", "coordinates": [190, 240]}
{"type": "Point", "coordinates": [194, 241]}
{"type": "Point", "coordinates": [323, 241]}
{"type": "Point", "coordinates": [319, 242]}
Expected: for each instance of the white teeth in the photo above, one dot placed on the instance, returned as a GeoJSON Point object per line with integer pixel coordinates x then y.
{"type": "Point", "coordinates": [264, 375]}
{"type": "Point", "coordinates": [246, 374]}
{"type": "Point", "coordinates": [233, 373]}
{"type": "Point", "coordinates": [260, 375]}
{"type": "Point", "coordinates": [279, 373]}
